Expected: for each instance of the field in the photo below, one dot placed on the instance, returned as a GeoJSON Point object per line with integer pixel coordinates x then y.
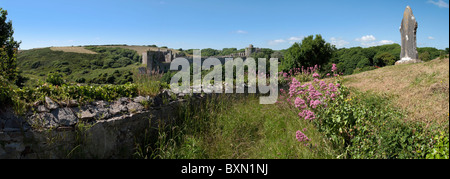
{"type": "Point", "coordinates": [73, 49]}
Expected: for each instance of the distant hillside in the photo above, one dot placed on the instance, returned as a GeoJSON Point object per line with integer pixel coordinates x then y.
{"type": "Point", "coordinates": [73, 49]}
{"type": "Point", "coordinates": [81, 66]}
{"type": "Point", "coordinates": [81, 49]}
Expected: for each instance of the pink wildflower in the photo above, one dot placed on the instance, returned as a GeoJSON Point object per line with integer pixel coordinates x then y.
{"type": "Point", "coordinates": [299, 103]}
{"type": "Point", "coordinates": [315, 75]}
{"type": "Point", "coordinates": [301, 137]}
{"type": "Point", "coordinates": [334, 68]}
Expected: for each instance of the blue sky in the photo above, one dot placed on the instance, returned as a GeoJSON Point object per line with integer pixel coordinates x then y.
{"type": "Point", "coordinates": [221, 24]}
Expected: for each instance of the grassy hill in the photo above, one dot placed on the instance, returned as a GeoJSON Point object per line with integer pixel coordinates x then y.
{"type": "Point", "coordinates": [422, 89]}
{"type": "Point", "coordinates": [78, 64]}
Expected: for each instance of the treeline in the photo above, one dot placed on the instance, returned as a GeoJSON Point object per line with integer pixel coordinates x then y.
{"type": "Point", "coordinates": [208, 52]}
{"type": "Point", "coordinates": [316, 51]}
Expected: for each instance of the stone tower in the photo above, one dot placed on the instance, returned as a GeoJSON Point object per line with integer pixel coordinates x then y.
{"type": "Point", "coordinates": [408, 30]}
{"type": "Point", "coordinates": [249, 50]}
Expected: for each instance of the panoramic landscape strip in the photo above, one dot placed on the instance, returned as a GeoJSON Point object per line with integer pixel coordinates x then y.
{"type": "Point", "coordinates": [226, 95]}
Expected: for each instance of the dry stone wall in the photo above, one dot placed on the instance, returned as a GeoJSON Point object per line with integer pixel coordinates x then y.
{"type": "Point", "coordinates": [98, 129]}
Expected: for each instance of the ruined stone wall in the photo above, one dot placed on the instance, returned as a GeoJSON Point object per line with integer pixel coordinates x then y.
{"type": "Point", "coordinates": [95, 130]}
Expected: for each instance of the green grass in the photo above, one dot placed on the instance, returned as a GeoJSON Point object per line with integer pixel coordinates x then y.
{"type": "Point", "coordinates": [236, 127]}
{"type": "Point", "coordinates": [425, 79]}
{"type": "Point", "coordinates": [149, 84]}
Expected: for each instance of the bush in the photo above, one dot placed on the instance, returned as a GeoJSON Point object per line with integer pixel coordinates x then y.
{"type": "Point", "coordinates": [310, 52]}
{"type": "Point", "coordinates": [425, 56]}
{"type": "Point", "coordinates": [55, 79]}
{"type": "Point", "coordinates": [5, 91]}
{"type": "Point", "coordinates": [440, 147]}
{"type": "Point", "coordinates": [80, 80]}
{"type": "Point", "coordinates": [36, 65]}
{"type": "Point", "coordinates": [77, 92]}
{"type": "Point", "coordinates": [360, 125]}
{"type": "Point", "coordinates": [384, 59]}
{"type": "Point", "coordinates": [363, 63]}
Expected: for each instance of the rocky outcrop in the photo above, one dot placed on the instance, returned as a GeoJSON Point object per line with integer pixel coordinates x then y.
{"type": "Point", "coordinates": [408, 30]}
{"type": "Point", "coordinates": [98, 129]}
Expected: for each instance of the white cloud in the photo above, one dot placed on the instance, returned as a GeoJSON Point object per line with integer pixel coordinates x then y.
{"type": "Point", "coordinates": [276, 42]}
{"type": "Point", "coordinates": [439, 3]}
{"type": "Point", "coordinates": [384, 42]}
{"type": "Point", "coordinates": [370, 40]}
{"type": "Point", "coordinates": [430, 38]}
{"type": "Point", "coordinates": [367, 38]}
{"type": "Point", "coordinates": [295, 38]}
{"type": "Point", "coordinates": [338, 42]}
{"type": "Point", "coordinates": [241, 32]}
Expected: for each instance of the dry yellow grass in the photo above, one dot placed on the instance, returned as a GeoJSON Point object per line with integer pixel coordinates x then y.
{"type": "Point", "coordinates": [72, 49]}
{"type": "Point", "coordinates": [141, 49]}
{"type": "Point", "coordinates": [138, 49]}
{"type": "Point", "coordinates": [422, 89]}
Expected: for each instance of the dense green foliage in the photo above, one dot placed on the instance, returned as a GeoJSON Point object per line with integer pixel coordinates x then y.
{"type": "Point", "coordinates": [8, 49]}
{"type": "Point", "coordinates": [74, 67]}
{"type": "Point", "coordinates": [366, 126]}
{"type": "Point", "coordinates": [77, 92]}
{"type": "Point", "coordinates": [5, 91]}
{"type": "Point", "coordinates": [358, 59]}
{"type": "Point", "coordinates": [311, 51]}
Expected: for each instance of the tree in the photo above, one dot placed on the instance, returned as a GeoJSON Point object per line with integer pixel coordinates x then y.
{"type": "Point", "coordinates": [363, 63]}
{"type": "Point", "coordinates": [384, 59]}
{"type": "Point", "coordinates": [8, 49]}
{"type": "Point", "coordinates": [425, 56]}
{"type": "Point", "coordinates": [277, 54]}
{"type": "Point", "coordinates": [312, 51]}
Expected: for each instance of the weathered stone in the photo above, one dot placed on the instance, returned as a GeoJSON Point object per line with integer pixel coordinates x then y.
{"type": "Point", "coordinates": [408, 30]}
{"type": "Point", "coordinates": [69, 103]}
{"type": "Point", "coordinates": [37, 103]}
{"type": "Point", "coordinates": [123, 100]}
{"type": "Point", "coordinates": [65, 116]}
{"type": "Point", "coordinates": [14, 147]}
{"type": "Point", "coordinates": [46, 120]}
{"type": "Point", "coordinates": [134, 107]}
{"type": "Point", "coordinates": [73, 103]}
{"type": "Point", "coordinates": [102, 104]}
{"type": "Point", "coordinates": [140, 99]}
{"type": "Point", "coordinates": [50, 103]}
{"type": "Point", "coordinates": [4, 136]}
{"type": "Point", "coordinates": [112, 137]}
{"type": "Point", "coordinates": [42, 108]}
{"type": "Point", "coordinates": [2, 153]}
{"type": "Point", "coordinates": [13, 125]}
{"type": "Point", "coordinates": [157, 101]}
{"type": "Point", "coordinates": [16, 136]}
{"type": "Point", "coordinates": [103, 113]}
{"type": "Point", "coordinates": [87, 113]}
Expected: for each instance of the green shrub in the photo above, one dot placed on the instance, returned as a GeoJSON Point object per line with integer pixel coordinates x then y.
{"type": "Point", "coordinates": [440, 147]}
{"type": "Point", "coordinates": [78, 92]}
{"type": "Point", "coordinates": [425, 56]}
{"type": "Point", "coordinates": [36, 65]}
{"type": "Point", "coordinates": [5, 91]}
{"type": "Point", "coordinates": [384, 59]}
{"type": "Point", "coordinates": [55, 79]}
{"type": "Point", "coordinates": [80, 80]}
